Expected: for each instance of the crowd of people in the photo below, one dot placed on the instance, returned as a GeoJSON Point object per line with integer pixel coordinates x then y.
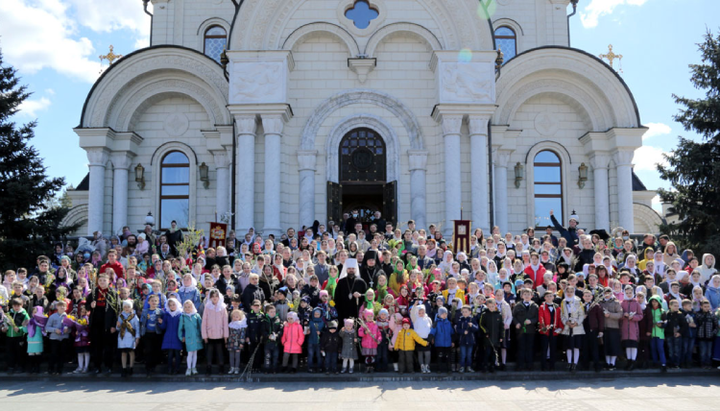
{"type": "Point", "coordinates": [386, 298]}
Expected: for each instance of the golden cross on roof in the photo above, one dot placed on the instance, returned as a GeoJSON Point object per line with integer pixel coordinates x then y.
{"type": "Point", "coordinates": [110, 57]}
{"type": "Point", "coordinates": [611, 56]}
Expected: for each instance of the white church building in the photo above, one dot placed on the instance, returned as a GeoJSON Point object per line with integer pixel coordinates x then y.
{"type": "Point", "coordinates": [318, 107]}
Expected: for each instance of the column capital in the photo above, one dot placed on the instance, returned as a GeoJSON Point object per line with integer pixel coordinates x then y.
{"type": "Point", "coordinates": [502, 158]}
{"type": "Point", "coordinates": [623, 157]}
{"type": "Point", "coordinates": [97, 156]}
{"type": "Point", "coordinates": [599, 161]}
{"type": "Point", "coordinates": [122, 160]}
{"type": "Point", "coordinates": [273, 123]}
{"type": "Point", "coordinates": [450, 123]}
{"type": "Point", "coordinates": [222, 158]}
{"type": "Point", "coordinates": [307, 160]}
{"type": "Point", "coordinates": [245, 124]}
{"type": "Point", "coordinates": [418, 159]}
{"type": "Point", "coordinates": [478, 124]}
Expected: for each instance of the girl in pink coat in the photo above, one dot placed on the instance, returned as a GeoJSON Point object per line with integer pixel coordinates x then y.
{"type": "Point", "coordinates": [215, 329]}
{"type": "Point", "coordinates": [292, 341]}
{"type": "Point", "coordinates": [629, 328]}
{"type": "Point", "coordinates": [370, 334]}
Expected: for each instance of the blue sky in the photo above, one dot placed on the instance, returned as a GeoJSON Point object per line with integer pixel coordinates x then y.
{"type": "Point", "coordinates": [56, 43]}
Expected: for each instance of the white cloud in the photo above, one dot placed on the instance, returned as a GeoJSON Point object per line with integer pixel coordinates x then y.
{"type": "Point", "coordinates": [31, 107]}
{"type": "Point", "coordinates": [598, 8]}
{"type": "Point", "coordinates": [647, 157]}
{"type": "Point", "coordinates": [656, 129]}
{"type": "Point", "coordinates": [39, 34]}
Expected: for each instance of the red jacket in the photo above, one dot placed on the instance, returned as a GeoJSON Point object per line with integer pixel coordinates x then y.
{"type": "Point", "coordinates": [545, 319]}
{"type": "Point", "coordinates": [117, 267]}
{"type": "Point", "coordinates": [536, 276]}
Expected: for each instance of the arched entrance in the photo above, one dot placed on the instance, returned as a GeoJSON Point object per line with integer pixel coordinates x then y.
{"type": "Point", "coordinates": [363, 185]}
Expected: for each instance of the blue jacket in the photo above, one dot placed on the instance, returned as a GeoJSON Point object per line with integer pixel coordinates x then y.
{"type": "Point", "coordinates": [317, 325]}
{"type": "Point", "coordinates": [713, 295]}
{"type": "Point", "coordinates": [192, 295]}
{"type": "Point", "coordinates": [442, 332]}
{"type": "Point", "coordinates": [149, 321]}
{"type": "Point", "coordinates": [469, 325]}
{"type": "Point", "coordinates": [170, 326]}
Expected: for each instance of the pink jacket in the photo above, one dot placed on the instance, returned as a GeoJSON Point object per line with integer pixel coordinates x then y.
{"type": "Point", "coordinates": [293, 338]}
{"type": "Point", "coordinates": [214, 323]}
{"type": "Point", "coordinates": [629, 328]}
{"type": "Point", "coordinates": [370, 339]}
{"type": "Point", "coordinates": [395, 328]}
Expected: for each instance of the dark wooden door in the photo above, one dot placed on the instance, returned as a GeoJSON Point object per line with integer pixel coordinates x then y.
{"type": "Point", "coordinates": [334, 202]}
{"type": "Point", "coordinates": [390, 202]}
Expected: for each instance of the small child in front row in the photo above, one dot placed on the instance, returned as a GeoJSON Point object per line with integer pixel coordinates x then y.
{"type": "Point", "coordinates": [82, 339]}
{"type": "Point", "coordinates": [330, 345]}
{"type": "Point", "coordinates": [58, 334]}
{"type": "Point", "coordinates": [35, 344]}
{"type": "Point", "coordinates": [707, 329]}
{"type": "Point", "coordinates": [405, 344]}
{"type": "Point", "coordinates": [189, 331]}
{"type": "Point", "coordinates": [236, 339]}
{"type": "Point", "coordinates": [292, 341]}
{"type": "Point", "coordinates": [128, 327]}
{"type": "Point", "coordinates": [349, 346]}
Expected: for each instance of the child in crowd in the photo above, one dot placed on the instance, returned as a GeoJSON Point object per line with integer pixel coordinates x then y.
{"type": "Point", "coordinates": [405, 345]}
{"type": "Point", "coordinates": [236, 339]}
{"type": "Point", "coordinates": [292, 341]}
{"type": "Point", "coordinates": [272, 332]}
{"type": "Point", "coordinates": [189, 331]}
{"type": "Point", "coordinates": [173, 339]}
{"type": "Point", "coordinates": [128, 330]}
{"type": "Point", "coordinates": [58, 333]}
{"type": "Point", "coordinates": [349, 346]}
{"type": "Point", "coordinates": [330, 344]}
{"type": "Point", "coordinates": [151, 333]}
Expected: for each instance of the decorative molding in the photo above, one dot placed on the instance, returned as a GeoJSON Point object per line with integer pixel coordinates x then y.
{"type": "Point", "coordinates": [623, 157]}
{"type": "Point", "coordinates": [546, 124]}
{"type": "Point", "coordinates": [122, 161]}
{"type": "Point", "coordinates": [451, 124]}
{"type": "Point", "coordinates": [599, 161]}
{"type": "Point", "coordinates": [176, 124]}
{"type": "Point", "coordinates": [361, 96]}
{"type": "Point", "coordinates": [303, 32]}
{"type": "Point", "coordinates": [362, 67]}
{"type": "Point", "coordinates": [132, 73]}
{"type": "Point", "coordinates": [273, 124]}
{"type": "Point", "coordinates": [245, 125]}
{"type": "Point", "coordinates": [402, 27]}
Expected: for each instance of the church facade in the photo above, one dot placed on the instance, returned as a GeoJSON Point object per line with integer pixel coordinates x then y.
{"type": "Point", "coordinates": [282, 112]}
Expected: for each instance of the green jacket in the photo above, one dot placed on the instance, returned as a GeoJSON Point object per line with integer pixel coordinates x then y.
{"type": "Point", "coordinates": [657, 316]}
{"type": "Point", "coordinates": [19, 319]}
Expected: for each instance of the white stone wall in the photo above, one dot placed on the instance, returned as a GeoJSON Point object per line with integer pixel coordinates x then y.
{"type": "Point", "coordinates": [157, 141]}
{"type": "Point", "coordinates": [570, 126]}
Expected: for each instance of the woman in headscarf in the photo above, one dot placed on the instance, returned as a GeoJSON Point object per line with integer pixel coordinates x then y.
{"type": "Point", "coordinates": [707, 269]}
{"type": "Point", "coordinates": [671, 253]}
{"type": "Point", "coordinates": [446, 264]}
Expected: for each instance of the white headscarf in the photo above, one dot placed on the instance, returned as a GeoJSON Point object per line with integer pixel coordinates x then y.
{"type": "Point", "coordinates": [178, 309]}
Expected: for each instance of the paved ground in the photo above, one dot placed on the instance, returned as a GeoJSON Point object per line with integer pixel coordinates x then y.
{"type": "Point", "coordinates": [611, 395]}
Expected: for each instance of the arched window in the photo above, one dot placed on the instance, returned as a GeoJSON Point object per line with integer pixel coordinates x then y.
{"type": "Point", "coordinates": [215, 41]}
{"type": "Point", "coordinates": [548, 184]}
{"type": "Point", "coordinates": [506, 40]}
{"type": "Point", "coordinates": [174, 189]}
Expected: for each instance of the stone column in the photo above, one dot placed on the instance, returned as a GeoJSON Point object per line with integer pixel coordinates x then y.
{"type": "Point", "coordinates": [307, 168]}
{"type": "Point", "coordinates": [600, 164]}
{"type": "Point", "coordinates": [479, 172]}
{"type": "Point", "coordinates": [623, 161]}
{"type": "Point", "coordinates": [246, 127]}
{"type": "Point", "coordinates": [97, 158]}
{"type": "Point", "coordinates": [121, 163]}
{"type": "Point", "coordinates": [273, 126]}
{"type": "Point", "coordinates": [222, 191]}
{"type": "Point", "coordinates": [418, 169]}
{"type": "Point", "coordinates": [501, 159]}
{"type": "Point", "coordinates": [451, 125]}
